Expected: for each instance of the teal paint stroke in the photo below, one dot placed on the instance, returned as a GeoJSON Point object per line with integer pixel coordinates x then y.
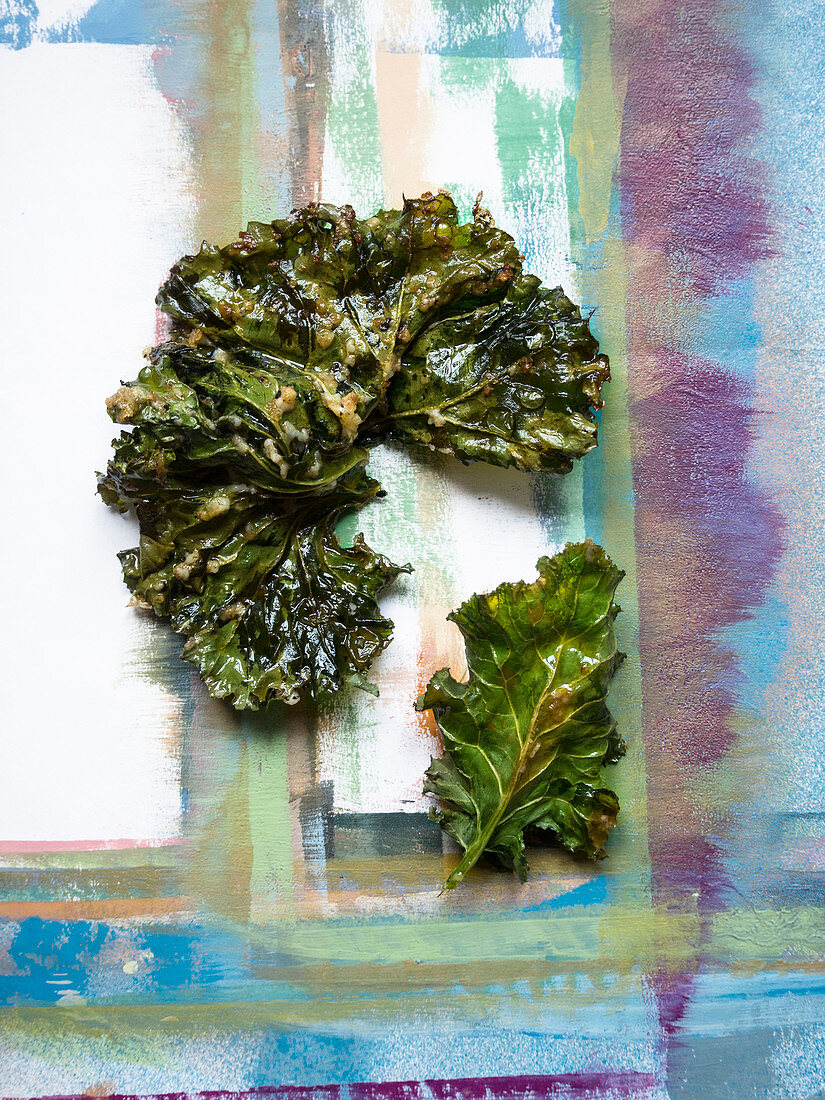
{"type": "Point", "coordinates": [488, 29]}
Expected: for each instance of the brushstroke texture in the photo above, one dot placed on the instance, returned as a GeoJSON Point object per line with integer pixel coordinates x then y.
{"type": "Point", "coordinates": [277, 940]}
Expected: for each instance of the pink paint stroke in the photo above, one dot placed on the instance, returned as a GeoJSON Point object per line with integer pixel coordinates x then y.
{"type": "Point", "coordinates": [9, 847]}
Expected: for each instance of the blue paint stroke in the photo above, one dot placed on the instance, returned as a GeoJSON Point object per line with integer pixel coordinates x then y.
{"type": "Point", "coordinates": [18, 21]}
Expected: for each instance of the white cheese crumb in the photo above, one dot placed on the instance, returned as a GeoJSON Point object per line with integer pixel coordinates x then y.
{"type": "Point", "coordinates": [293, 434]}
{"type": "Point", "coordinates": [184, 568]}
{"type": "Point", "coordinates": [274, 455]}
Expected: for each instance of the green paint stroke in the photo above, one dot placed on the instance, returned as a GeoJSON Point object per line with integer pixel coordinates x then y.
{"type": "Point", "coordinates": [352, 128]}
{"type": "Point", "coordinates": [270, 815]}
{"type": "Point", "coordinates": [600, 282]}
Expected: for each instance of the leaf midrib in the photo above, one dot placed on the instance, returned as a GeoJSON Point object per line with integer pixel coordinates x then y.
{"type": "Point", "coordinates": [474, 850]}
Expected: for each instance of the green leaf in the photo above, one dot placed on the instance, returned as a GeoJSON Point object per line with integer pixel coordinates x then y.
{"type": "Point", "coordinates": [272, 606]}
{"type": "Point", "coordinates": [326, 303]}
{"type": "Point", "coordinates": [202, 413]}
{"type": "Point", "coordinates": [512, 382]}
{"type": "Point", "coordinates": [526, 737]}
{"type": "Point", "coordinates": [244, 443]}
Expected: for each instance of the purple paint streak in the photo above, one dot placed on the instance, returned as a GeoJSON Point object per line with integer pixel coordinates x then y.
{"type": "Point", "coordinates": [689, 189]}
{"type": "Point", "coordinates": [577, 1086]}
{"type": "Point", "coordinates": [693, 485]}
{"type": "Point", "coordinates": [695, 215]}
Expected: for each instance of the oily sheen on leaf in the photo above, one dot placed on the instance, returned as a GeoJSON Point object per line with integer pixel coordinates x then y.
{"type": "Point", "coordinates": [513, 382]}
{"type": "Point", "coordinates": [323, 304]}
{"type": "Point", "coordinates": [272, 606]}
{"type": "Point", "coordinates": [198, 412]}
{"type": "Point", "coordinates": [526, 737]}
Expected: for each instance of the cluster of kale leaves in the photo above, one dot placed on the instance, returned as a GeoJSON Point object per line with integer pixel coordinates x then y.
{"type": "Point", "coordinates": [291, 353]}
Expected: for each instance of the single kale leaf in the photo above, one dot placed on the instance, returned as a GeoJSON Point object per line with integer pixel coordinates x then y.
{"type": "Point", "coordinates": [291, 352]}
{"type": "Point", "coordinates": [512, 382]}
{"type": "Point", "coordinates": [325, 304]}
{"type": "Point", "coordinates": [271, 604]}
{"type": "Point", "coordinates": [526, 737]}
{"type": "Point", "coordinates": [202, 414]}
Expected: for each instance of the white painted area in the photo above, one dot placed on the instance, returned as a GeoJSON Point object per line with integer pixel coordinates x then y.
{"type": "Point", "coordinates": [377, 762]}
{"type": "Point", "coordinates": [372, 750]}
{"type": "Point", "coordinates": [418, 26]}
{"type": "Point", "coordinates": [95, 191]}
{"type": "Point", "coordinates": [363, 194]}
{"type": "Point", "coordinates": [539, 222]}
{"type": "Point", "coordinates": [54, 14]}
{"type": "Point", "coordinates": [412, 26]}
{"type": "Point", "coordinates": [462, 146]}
{"type": "Point", "coordinates": [495, 534]}
{"type": "Point", "coordinates": [540, 26]}
{"type": "Point", "coordinates": [350, 50]}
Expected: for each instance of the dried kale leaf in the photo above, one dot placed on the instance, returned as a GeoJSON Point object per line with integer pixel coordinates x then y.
{"type": "Point", "coordinates": [202, 414]}
{"type": "Point", "coordinates": [272, 606]}
{"type": "Point", "coordinates": [526, 737]}
{"type": "Point", "coordinates": [331, 301]}
{"type": "Point", "coordinates": [512, 382]}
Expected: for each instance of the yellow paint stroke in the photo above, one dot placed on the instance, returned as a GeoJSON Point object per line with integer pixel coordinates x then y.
{"type": "Point", "coordinates": [121, 1027]}
{"type": "Point", "coordinates": [632, 937]}
{"type": "Point", "coordinates": [96, 859]}
{"type": "Point", "coordinates": [226, 137]}
{"type": "Point", "coordinates": [220, 867]}
{"type": "Point", "coordinates": [96, 908]}
{"type": "Point", "coordinates": [597, 127]}
{"type": "Point", "coordinates": [273, 816]}
{"type": "Point", "coordinates": [789, 935]}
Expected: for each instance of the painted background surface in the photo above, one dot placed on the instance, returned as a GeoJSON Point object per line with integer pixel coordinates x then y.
{"type": "Point", "coordinates": [191, 901]}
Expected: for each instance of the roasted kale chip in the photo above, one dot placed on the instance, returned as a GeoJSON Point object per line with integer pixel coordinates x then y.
{"type": "Point", "coordinates": [325, 304]}
{"type": "Point", "coordinates": [512, 382]}
{"type": "Point", "coordinates": [291, 352]}
{"type": "Point", "coordinates": [271, 604]}
{"type": "Point", "coordinates": [526, 737]}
